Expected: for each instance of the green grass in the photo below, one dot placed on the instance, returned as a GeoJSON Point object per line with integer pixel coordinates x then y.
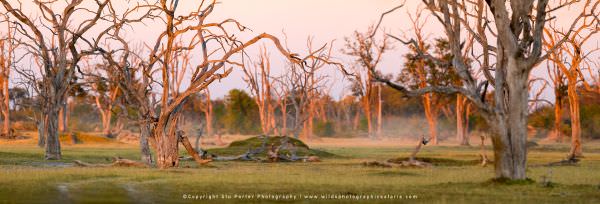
{"type": "Point", "coordinates": [26, 178]}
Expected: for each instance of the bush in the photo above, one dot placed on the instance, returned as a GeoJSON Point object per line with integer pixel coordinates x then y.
{"type": "Point", "coordinates": [324, 129]}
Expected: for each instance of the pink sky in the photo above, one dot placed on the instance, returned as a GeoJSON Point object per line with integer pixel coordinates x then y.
{"type": "Point", "coordinates": [325, 20]}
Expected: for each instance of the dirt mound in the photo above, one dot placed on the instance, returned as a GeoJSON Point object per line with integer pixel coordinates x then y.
{"type": "Point", "coordinates": [243, 146]}
{"type": "Point", "coordinates": [83, 138]}
{"type": "Point", "coordinates": [128, 137]}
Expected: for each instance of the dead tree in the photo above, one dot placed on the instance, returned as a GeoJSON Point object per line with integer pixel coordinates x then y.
{"type": "Point", "coordinates": [518, 49]}
{"type": "Point", "coordinates": [258, 78]}
{"type": "Point", "coordinates": [54, 39]}
{"type": "Point", "coordinates": [107, 92]}
{"type": "Point", "coordinates": [282, 101]}
{"type": "Point", "coordinates": [130, 71]}
{"type": "Point", "coordinates": [558, 80]}
{"type": "Point", "coordinates": [301, 82]}
{"type": "Point", "coordinates": [7, 61]}
{"type": "Point", "coordinates": [315, 83]}
{"type": "Point", "coordinates": [207, 109]}
{"type": "Point", "coordinates": [379, 111]}
{"type": "Point", "coordinates": [367, 53]}
{"type": "Point", "coordinates": [216, 47]}
{"type": "Point", "coordinates": [462, 119]}
{"type": "Point", "coordinates": [570, 58]}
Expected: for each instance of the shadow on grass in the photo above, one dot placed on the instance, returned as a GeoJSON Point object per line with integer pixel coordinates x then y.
{"type": "Point", "coordinates": [394, 173]}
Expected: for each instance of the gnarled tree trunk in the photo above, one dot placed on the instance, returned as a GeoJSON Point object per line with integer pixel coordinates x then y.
{"type": "Point", "coordinates": [510, 135]}
{"type": "Point", "coordinates": [167, 148]}
{"type": "Point", "coordinates": [145, 133]}
{"type": "Point", "coordinates": [50, 126]}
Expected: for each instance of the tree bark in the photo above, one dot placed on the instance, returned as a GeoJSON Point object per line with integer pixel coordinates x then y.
{"type": "Point", "coordinates": [188, 147]}
{"type": "Point", "coordinates": [379, 111]}
{"type": "Point", "coordinates": [167, 151]}
{"type": "Point", "coordinates": [41, 130]}
{"type": "Point", "coordinates": [461, 120]}
{"type": "Point", "coordinates": [558, 136]}
{"type": "Point", "coordinates": [367, 109]}
{"type": "Point", "coordinates": [431, 116]}
{"type": "Point", "coordinates": [145, 131]}
{"type": "Point", "coordinates": [510, 135]}
{"type": "Point", "coordinates": [6, 108]}
{"type": "Point", "coordinates": [53, 151]}
{"type": "Point", "coordinates": [62, 118]}
{"type": "Point", "coordinates": [575, 119]}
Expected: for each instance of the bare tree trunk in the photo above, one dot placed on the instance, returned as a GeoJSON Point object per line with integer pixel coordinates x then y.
{"type": "Point", "coordinates": [284, 117]}
{"type": "Point", "coordinates": [431, 117]}
{"type": "Point", "coordinates": [62, 118]}
{"type": "Point", "coordinates": [309, 123]}
{"type": "Point", "coordinates": [167, 150]}
{"type": "Point", "coordinates": [461, 120]}
{"type": "Point", "coordinates": [208, 114]}
{"type": "Point", "coordinates": [575, 119]}
{"type": "Point", "coordinates": [510, 152]}
{"type": "Point", "coordinates": [466, 126]}
{"type": "Point", "coordinates": [6, 109]}
{"type": "Point", "coordinates": [356, 120]}
{"type": "Point", "coordinates": [51, 132]}
{"type": "Point", "coordinates": [41, 130]}
{"type": "Point", "coordinates": [68, 106]}
{"type": "Point", "coordinates": [144, 146]}
{"type": "Point", "coordinates": [367, 109]}
{"type": "Point", "coordinates": [379, 110]}
{"type": "Point", "coordinates": [558, 137]}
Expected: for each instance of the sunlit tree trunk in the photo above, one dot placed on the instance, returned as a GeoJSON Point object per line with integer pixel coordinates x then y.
{"type": "Point", "coordinates": [558, 136]}
{"type": "Point", "coordinates": [462, 120]}
{"type": "Point", "coordinates": [379, 110]}
{"type": "Point", "coordinates": [575, 119]}
{"type": "Point", "coordinates": [6, 55]}
{"type": "Point", "coordinates": [572, 71]}
{"type": "Point", "coordinates": [62, 119]}
{"type": "Point", "coordinates": [208, 113]}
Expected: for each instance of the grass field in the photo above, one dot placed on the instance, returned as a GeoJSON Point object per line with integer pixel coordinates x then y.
{"type": "Point", "coordinates": [26, 178]}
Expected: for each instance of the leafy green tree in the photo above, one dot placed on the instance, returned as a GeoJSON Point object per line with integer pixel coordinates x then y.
{"type": "Point", "coordinates": [241, 113]}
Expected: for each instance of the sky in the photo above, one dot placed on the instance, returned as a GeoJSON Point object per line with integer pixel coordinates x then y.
{"type": "Point", "coordinates": [328, 20]}
{"type": "Point", "coordinates": [325, 20]}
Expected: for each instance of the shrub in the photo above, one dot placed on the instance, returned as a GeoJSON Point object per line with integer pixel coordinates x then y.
{"type": "Point", "coordinates": [324, 129]}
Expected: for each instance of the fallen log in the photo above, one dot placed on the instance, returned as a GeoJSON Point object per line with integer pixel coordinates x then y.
{"type": "Point", "coordinates": [118, 162]}
{"type": "Point", "coordinates": [412, 161]}
{"type": "Point", "coordinates": [273, 152]}
{"type": "Point", "coordinates": [191, 151]}
{"type": "Point", "coordinates": [248, 156]}
{"type": "Point", "coordinates": [571, 161]}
